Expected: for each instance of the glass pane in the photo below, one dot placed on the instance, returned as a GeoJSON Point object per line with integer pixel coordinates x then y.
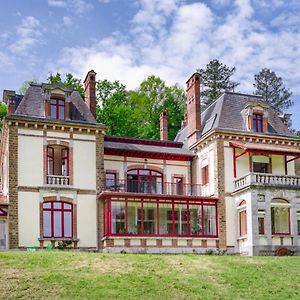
{"type": "Point", "coordinates": [57, 224]}
{"type": "Point", "coordinates": [243, 222]}
{"type": "Point", "coordinates": [134, 217]}
{"type": "Point", "coordinates": [261, 225]}
{"type": "Point", "coordinates": [180, 219]}
{"type": "Point", "coordinates": [68, 224]}
{"type": "Point", "coordinates": [53, 111]}
{"type": "Point", "coordinates": [57, 205]}
{"type": "Point", "coordinates": [110, 181]}
{"type": "Point", "coordinates": [61, 112]}
{"type": "Point", "coordinates": [280, 220]}
{"type": "Point", "coordinates": [118, 217]}
{"type": "Point", "coordinates": [144, 172]}
{"type": "Point", "coordinates": [47, 223]}
{"type": "Point", "coordinates": [47, 205]}
{"type": "Point", "coordinates": [150, 218]}
{"type": "Point", "coordinates": [209, 220]}
{"type": "Point", "coordinates": [144, 184]}
{"type": "Point", "coordinates": [67, 206]}
{"type": "Point", "coordinates": [64, 167]}
{"type": "Point", "coordinates": [165, 219]}
{"type": "Point", "coordinates": [133, 172]}
{"type": "Point", "coordinates": [132, 184]}
{"type": "Point", "coordinates": [50, 166]}
{"type": "Point", "coordinates": [195, 219]}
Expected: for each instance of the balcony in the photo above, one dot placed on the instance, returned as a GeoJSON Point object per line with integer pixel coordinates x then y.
{"type": "Point", "coordinates": [59, 180]}
{"type": "Point", "coordinates": [262, 179]}
{"type": "Point", "coordinates": [156, 188]}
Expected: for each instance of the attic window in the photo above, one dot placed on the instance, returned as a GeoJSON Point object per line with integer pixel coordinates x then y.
{"type": "Point", "coordinates": [57, 109]}
{"type": "Point", "coordinates": [258, 122]}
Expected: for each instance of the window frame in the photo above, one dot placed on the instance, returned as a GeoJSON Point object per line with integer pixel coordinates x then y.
{"type": "Point", "coordinates": [258, 119]}
{"type": "Point", "coordinates": [64, 157]}
{"type": "Point", "coordinates": [280, 204]}
{"type": "Point", "coordinates": [57, 104]}
{"type": "Point", "coordinates": [205, 175]}
{"type": "Point", "coordinates": [63, 211]}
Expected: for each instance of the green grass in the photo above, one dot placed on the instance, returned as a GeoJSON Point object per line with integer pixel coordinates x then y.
{"type": "Point", "coordinates": [70, 275]}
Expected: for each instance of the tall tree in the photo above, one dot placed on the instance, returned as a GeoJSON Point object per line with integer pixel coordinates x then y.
{"type": "Point", "coordinates": [215, 79]}
{"type": "Point", "coordinates": [3, 112]}
{"type": "Point", "coordinates": [270, 86]}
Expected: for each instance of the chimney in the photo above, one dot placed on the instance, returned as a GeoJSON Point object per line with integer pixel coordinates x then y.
{"type": "Point", "coordinates": [164, 125]}
{"type": "Point", "coordinates": [193, 108]}
{"type": "Point", "coordinates": [8, 99]}
{"type": "Point", "coordinates": [90, 91]}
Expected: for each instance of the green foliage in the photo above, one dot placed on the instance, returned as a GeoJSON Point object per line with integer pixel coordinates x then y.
{"type": "Point", "coordinates": [3, 112]}
{"type": "Point", "coordinates": [69, 81]}
{"type": "Point", "coordinates": [270, 86]}
{"type": "Point", "coordinates": [215, 79]}
{"type": "Point", "coordinates": [136, 113]}
{"type": "Point", "coordinates": [22, 90]}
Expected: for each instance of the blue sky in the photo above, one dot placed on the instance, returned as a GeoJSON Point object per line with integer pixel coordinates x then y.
{"type": "Point", "coordinates": [131, 39]}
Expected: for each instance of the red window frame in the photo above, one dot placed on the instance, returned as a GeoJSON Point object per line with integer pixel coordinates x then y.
{"type": "Point", "coordinates": [205, 175]}
{"type": "Point", "coordinates": [52, 211]}
{"type": "Point", "coordinates": [57, 104]}
{"type": "Point", "coordinates": [179, 185]}
{"type": "Point", "coordinates": [51, 160]}
{"type": "Point", "coordinates": [171, 216]}
{"type": "Point", "coordinates": [258, 122]}
{"type": "Point", "coordinates": [149, 176]}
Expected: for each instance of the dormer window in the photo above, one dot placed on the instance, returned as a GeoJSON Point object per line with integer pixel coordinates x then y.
{"type": "Point", "coordinates": [258, 122]}
{"type": "Point", "coordinates": [57, 109]}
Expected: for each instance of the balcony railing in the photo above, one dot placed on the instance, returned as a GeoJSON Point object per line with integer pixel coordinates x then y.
{"type": "Point", "coordinates": [57, 180]}
{"type": "Point", "coordinates": [262, 179]}
{"type": "Point", "coordinates": [158, 188]}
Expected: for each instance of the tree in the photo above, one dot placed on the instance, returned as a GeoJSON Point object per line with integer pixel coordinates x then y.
{"type": "Point", "coordinates": [3, 112]}
{"type": "Point", "coordinates": [215, 79]}
{"type": "Point", "coordinates": [69, 81]}
{"type": "Point", "coordinates": [22, 90]}
{"type": "Point", "coordinates": [271, 88]}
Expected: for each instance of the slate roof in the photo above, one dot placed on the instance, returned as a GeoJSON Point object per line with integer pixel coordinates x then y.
{"type": "Point", "coordinates": [226, 114]}
{"type": "Point", "coordinates": [32, 104]}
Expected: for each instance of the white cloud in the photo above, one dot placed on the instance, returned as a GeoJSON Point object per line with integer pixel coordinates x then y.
{"type": "Point", "coordinates": [57, 3]}
{"type": "Point", "coordinates": [78, 7]}
{"type": "Point", "coordinates": [104, 1]}
{"type": "Point", "coordinates": [28, 36]}
{"type": "Point", "coordinates": [67, 21]}
{"type": "Point", "coordinates": [172, 39]}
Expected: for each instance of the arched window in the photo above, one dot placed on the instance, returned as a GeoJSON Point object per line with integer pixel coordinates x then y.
{"type": "Point", "coordinates": [280, 216]}
{"type": "Point", "coordinates": [57, 220]}
{"type": "Point", "coordinates": [144, 181]}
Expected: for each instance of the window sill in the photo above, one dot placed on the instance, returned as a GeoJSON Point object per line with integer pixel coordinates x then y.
{"type": "Point", "coordinates": [57, 239]}
{"type": "Point", "coordinates": [244, 237]}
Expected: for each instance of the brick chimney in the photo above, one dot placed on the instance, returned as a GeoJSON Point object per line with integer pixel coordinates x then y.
{"type": "Point", "coordinates": [193, 108]}
{"type": "Point", "coordinates": [164, 125]}
{"type": "Point", "coordinates": [90, 91]}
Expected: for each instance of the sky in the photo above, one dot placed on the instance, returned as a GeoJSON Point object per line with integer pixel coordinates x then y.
{"type": "Point", "coordinates": [128, 40]}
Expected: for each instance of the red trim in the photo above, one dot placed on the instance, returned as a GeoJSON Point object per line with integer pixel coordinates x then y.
{"type": "Point", "coordinates": [127, 140]}
{"type": "Point", "coordinates": [147, 154]}
{"type": "Point", "coordinates": [200, 202]}
{"type": "Point", "coordinates": [62, 210]}
{"type": "Point", "coordinates": [57, 103]}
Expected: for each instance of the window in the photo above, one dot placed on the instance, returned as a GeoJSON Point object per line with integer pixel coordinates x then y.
{"type": "Point", "coordinates": [57, 109]}
{"type": "Point", "coordinates": [110, 181]}
{"type": "Point", "coordinates": [280, 216]}
{"type": "Point", "coordinates": [242, 219]}
{"type": "Point", "coordinates": [261, 225]}
{"type": "Point", "coordinates": [205, 175]}
{"type": "Point", "coordinates": [144, 181]}
{"type": "Point", "coordinates": [261, 164]}
{"type": "Point", "coordinates": [258, 122]}
{"type": "Point", "coordinates": [58, 161]}
{"type": "Point", "coordinates": [298, 222]}
{"type": "Point", "coordinates": [157, 217]}
{"type": "Point", "coordinates": [178, 183]}
{"type": "Point", "coordinates": [57, 220]}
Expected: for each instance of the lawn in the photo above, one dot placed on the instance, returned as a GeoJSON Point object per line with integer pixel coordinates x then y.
{"type": "Point", "coordinates": [70, 275]}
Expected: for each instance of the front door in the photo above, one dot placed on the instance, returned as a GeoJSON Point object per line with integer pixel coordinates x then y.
{"type": "Point", "coordinates": [2, 234]}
